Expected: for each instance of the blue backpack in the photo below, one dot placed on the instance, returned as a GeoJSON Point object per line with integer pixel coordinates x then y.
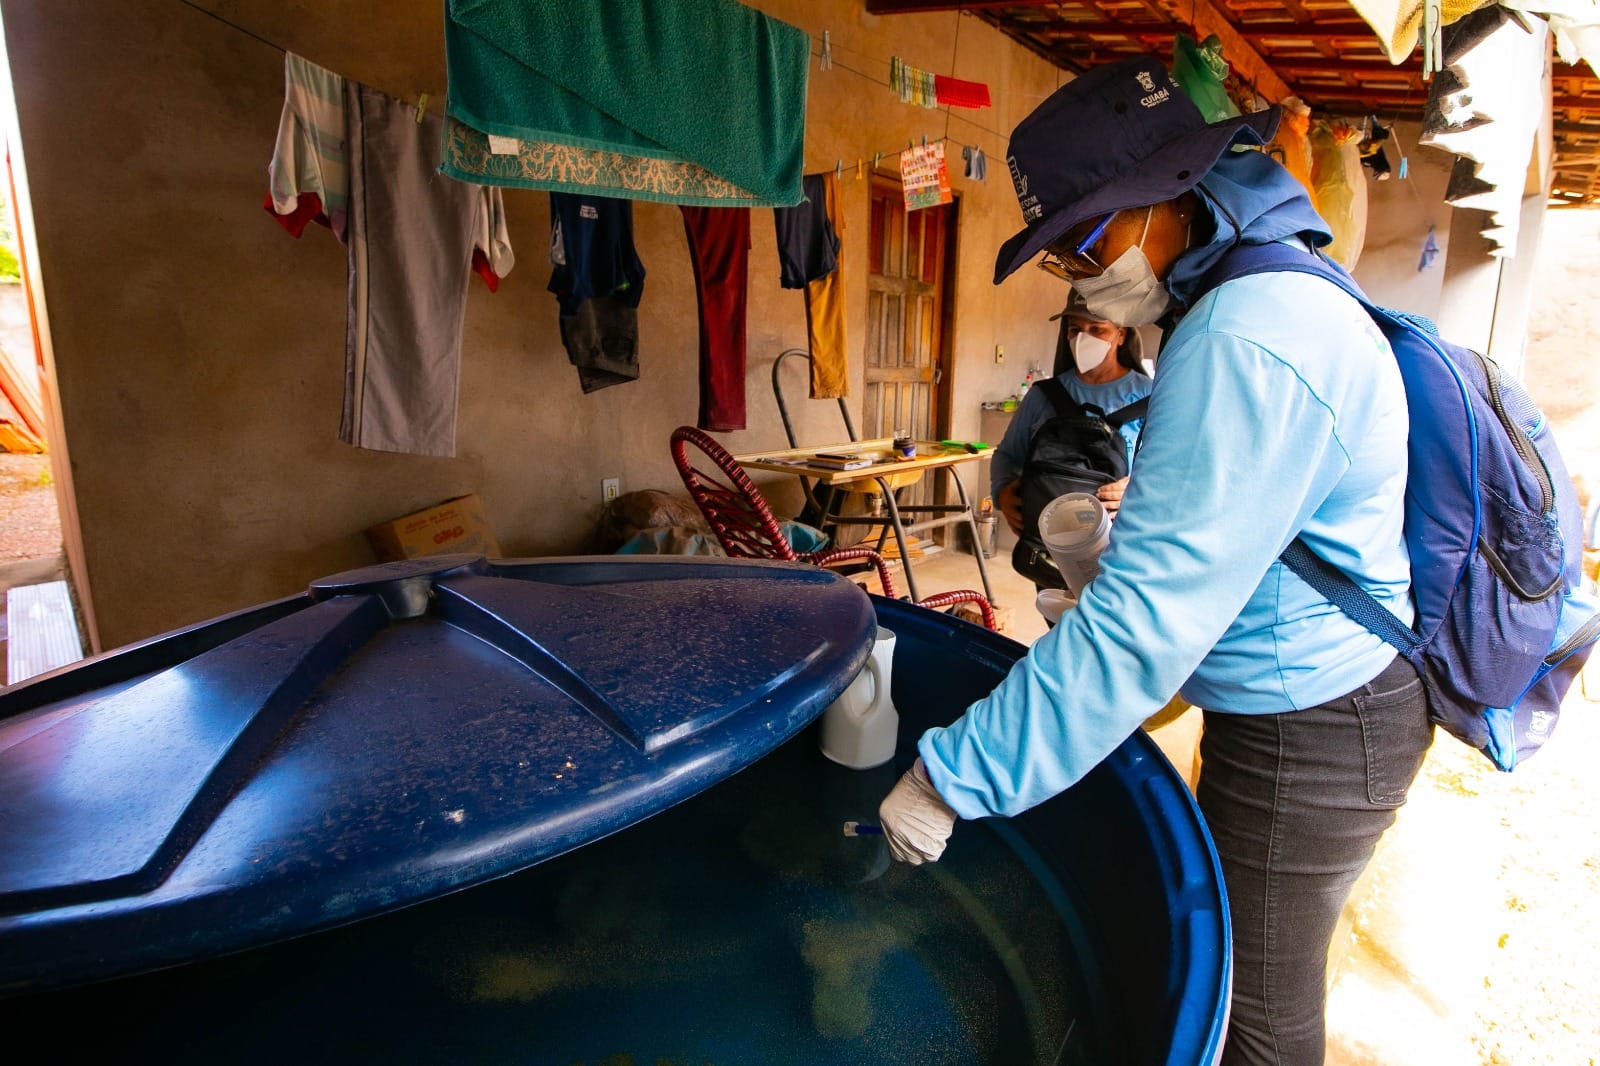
{"type": "Point", "coordinates": [1503, 623]}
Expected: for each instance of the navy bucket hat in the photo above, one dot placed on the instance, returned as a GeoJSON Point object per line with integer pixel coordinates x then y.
{"type": "Point", "coordinates": [1118, 136]}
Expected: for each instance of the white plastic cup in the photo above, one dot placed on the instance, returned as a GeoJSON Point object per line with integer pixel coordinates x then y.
{"type": "Point", "coordinates": [861, 728]}
{"type": "Point", "coordinates": [1076, 529]}
{"type": "Point", "coordinates": [1053, 603]}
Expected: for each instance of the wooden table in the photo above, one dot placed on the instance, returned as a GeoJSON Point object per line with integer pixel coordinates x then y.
{"type": "Point", "coordinates": [891, 474]}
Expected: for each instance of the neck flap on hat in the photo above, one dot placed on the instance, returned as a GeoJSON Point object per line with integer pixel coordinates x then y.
{"type": "Point", "coordinates": [1250, 199]}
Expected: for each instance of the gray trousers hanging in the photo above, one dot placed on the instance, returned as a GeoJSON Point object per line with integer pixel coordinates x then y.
{"type": "Point", "coordinates": [412, 233]}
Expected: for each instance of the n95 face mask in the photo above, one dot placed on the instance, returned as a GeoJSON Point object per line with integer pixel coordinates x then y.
{"type": "Point", "coordinates": [1127, 292]}
{"type": "Point", "coordinates": [1089, 351]}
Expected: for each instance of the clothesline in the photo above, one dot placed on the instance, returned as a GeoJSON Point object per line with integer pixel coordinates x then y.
{"type": "Point", "coordinates": [885, 63]}
{"type": "Point", "coordinates": [233, 25]}
{"type": "Point", "coordinates": [895, 152]}
{"type": "Point", "coordinates": [949, 112]}
{"type": "Point", "coordinates": [421, 96]}
{"type": "Point", "coordinates": [844, 166]}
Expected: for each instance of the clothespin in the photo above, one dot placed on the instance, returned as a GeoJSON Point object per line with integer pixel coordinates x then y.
{"type": "Point", "coordinates": [1405, 164]}
{"type": "Point", "coordinates": [877, 157]}
{"type": "Point", "coordinates": [838, 170]}
{"type": "Point", "coordinates": [858, 169]}
{"type": "Point", "coordinates": [1432, 35]}
{"type": "Point", "coordinates": [924, 140]}
{"type": "Point", "coordinates": [422, 107]}
{"type": "Point", "coordinates": [826, 62]}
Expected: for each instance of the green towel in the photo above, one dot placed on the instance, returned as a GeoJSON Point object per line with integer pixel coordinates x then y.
{"type": "Point", "coordinates": [697, 103]}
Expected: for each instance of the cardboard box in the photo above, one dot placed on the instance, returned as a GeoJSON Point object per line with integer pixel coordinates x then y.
{"type": "Point", "coordinates": [456, 525]}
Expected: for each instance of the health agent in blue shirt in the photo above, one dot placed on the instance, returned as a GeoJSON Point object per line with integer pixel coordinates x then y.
{"type": "Point", "coordinates": [1277, 412]}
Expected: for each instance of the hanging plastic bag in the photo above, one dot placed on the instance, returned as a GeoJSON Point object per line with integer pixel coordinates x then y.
{"type": "Point", "coordinates": [1290, 147]}
{"type": "Point", "coordinates": [1339, 189]}
{"type": "Point", "coordinates": [1201, 70]}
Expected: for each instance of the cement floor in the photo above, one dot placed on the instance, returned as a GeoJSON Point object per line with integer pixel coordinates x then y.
{"type": "Point", "coordinates": [1473, 938]}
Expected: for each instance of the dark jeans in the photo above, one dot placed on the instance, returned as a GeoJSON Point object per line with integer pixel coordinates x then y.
{"type": "Point", "coordinates": [1296, 803]}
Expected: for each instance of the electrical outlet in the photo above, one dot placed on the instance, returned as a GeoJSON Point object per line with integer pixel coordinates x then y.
{"type": "Point", "coordinates": [610, 489]}
{"type": "Point", "coordinates": [999, 354]}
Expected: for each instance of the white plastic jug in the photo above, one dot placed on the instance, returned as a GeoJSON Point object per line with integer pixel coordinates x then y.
{"type": "Point", "coordinates": [1075, 528]}
{"type": "Point", "coordinates": [861, 727]}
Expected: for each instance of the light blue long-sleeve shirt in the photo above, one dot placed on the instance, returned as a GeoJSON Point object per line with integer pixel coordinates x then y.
{"type": "Point", "coordinates": [1277, 409]}
{"type": "Point", "coordinates": [1035, 409]}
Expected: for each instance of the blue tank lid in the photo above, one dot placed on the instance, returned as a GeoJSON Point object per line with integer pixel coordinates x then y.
{"type": "Point", "coordinates": [393, 734]}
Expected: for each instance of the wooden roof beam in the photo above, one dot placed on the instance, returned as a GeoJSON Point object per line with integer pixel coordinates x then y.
{"type": "Point", "coordinates": [1310, 31]}
{"type": "Point", "coordinates": [1314, 65]}
{"type": "Point", "coordinates": [1389, 98]}
{"type": "Point", "coordinates": [911, 7]}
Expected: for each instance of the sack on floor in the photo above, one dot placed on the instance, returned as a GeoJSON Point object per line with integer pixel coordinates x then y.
{"type": "Point", "coordinates": [634, 512]}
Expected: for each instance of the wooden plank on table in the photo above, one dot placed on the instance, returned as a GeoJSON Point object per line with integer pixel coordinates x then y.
{"type": "Point", "coordinates": [41, 630]}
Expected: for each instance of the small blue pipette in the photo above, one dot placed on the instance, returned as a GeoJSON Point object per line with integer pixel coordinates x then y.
{"type": "Point", "coordinates": [862, 829]}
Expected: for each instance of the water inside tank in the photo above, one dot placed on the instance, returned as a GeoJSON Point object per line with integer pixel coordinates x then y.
{"type": "Point", "coordinates": [738, 927]}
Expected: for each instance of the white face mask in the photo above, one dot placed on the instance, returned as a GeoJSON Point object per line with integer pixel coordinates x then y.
{"type": "Point", "coordinates": [1127, 292]}
{"type": "Point", "coordinates": [1089, 351]}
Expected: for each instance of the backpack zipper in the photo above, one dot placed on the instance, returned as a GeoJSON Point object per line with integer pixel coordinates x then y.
{"type": "Point", "coordinates": [1499, 567]}
{"type": "Point", "coordinates": [1584, 635]}
{"type": "Point", "coordinates": [1525, 448]}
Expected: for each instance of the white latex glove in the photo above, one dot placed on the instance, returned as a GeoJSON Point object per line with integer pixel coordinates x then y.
{"type": "Point", "coordinates": [916, 821]}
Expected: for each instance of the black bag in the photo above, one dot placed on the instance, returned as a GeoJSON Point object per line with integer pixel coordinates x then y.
{"type": "Point", "coordinates": [1077, 449]}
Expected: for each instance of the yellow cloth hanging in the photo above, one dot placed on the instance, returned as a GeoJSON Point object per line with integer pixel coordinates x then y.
{"type": "Point", "coordinates": [1397, 22]}
{"type": "Point", "coordinates": [825, 319]}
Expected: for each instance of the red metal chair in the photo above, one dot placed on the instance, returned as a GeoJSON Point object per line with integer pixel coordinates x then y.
{"type": "Point", "coordinates": [744, 525]}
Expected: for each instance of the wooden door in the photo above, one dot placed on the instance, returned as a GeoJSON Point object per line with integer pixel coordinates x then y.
{"type": "Point", "coordinates": [905, 316]}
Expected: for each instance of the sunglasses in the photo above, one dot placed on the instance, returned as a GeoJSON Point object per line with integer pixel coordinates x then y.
{"type": "Point", "coordinates": [1078, 263]}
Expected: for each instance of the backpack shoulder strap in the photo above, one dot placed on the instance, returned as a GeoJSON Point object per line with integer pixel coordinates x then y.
{"type": "Point", "coordinates": [1064, 404]}
{"type": "Point", "coordinates": [1244, 259]}
{"type": "Point", "coordinates": [1123, 415]}
{"type": "Point", "coordinates": [1349, 597]}
{"type": "Point", "coordinates": [1324, 577]}
{"type": "Point", "coordinates": [1059, 397]}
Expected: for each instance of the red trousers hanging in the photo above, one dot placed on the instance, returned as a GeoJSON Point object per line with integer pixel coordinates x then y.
{"type": "Point", "coordinates": [719, 247]}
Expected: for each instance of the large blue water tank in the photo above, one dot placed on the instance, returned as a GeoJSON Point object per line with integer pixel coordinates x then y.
{"type": "Point", "coordinates": [259, 810]}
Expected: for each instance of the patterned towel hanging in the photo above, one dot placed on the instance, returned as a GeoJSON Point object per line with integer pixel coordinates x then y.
{"type": "Point", "coordinates": [912, 84]}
